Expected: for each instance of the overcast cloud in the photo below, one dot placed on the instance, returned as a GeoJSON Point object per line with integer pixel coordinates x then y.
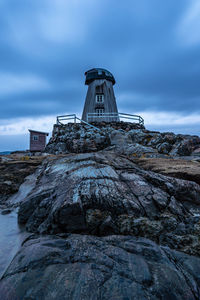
{"type": "Point", "coordinates": [151, 47]}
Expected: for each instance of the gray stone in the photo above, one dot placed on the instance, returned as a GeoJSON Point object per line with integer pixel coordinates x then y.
{"type": "Point", "coordinates": [120, 138]}
{"type": "Point", "coordinates": [104, 193]}
{"type": "Point", "coordinates": [78, 267]}
{"type": "Point", "coordinates": [79, 138]}
{"type": "Point", "coordinates": [113, 224]}
{"type": "Point", "coordinates": [137, 150]}
{"type": "Point", "coordinates": [164, 148]}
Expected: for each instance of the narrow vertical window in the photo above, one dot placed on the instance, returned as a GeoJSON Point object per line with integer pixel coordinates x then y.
{"type": "Point", "coordinates": [100, 111]}
{"type": "Point", "coordinates": [99, 98]}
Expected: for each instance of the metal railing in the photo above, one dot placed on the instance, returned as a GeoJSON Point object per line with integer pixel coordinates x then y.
{"type": "Point", "coordinates": [91, 117]}
{"type": "Point", "coordinates": [75, 119]}
{"type": "Point", "coordinates": [59, 119]}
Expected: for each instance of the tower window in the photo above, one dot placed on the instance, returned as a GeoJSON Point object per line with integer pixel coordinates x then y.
{"type": "Point", "coordinates": [99, 111]}
{"type": "Point", "coordinates": [99, 98]}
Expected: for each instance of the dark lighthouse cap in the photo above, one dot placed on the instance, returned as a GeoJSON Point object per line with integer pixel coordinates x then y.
{"type": "Point", "coordinates": [98, 73]}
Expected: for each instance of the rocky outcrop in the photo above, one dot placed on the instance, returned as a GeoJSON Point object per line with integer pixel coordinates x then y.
{"type": "Point", "coordinates": [76, 138]}
{"type": "Point", "coordinates": [127, 138]}
{"type": "Point", "coordinates": [103, 193]}
{"type": "Point", "coordinates": [77, 267]}
{"type": "Point", "coordinates": [110, 223]}
{"type": "Point", "coordinates": [13, 172]}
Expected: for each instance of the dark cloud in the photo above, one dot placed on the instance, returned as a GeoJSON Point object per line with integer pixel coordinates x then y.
{"type": "Point", "coordinates": [55, 101]}
{"type": "Point", "coordinates": [136, 40]}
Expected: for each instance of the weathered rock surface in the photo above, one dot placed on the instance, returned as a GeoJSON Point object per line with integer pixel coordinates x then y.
{"type": "Point", "coordinates": [13, 172]}
{"type": "Point", "coordinates": [78, 138]}
{"type": "Point", "coordinates": [103, 193]}
{"type": "Point", "coordinates": [81, 267]}
{"type": "Point", "coordinates": [106, 224]}
{"type": "Point", "coordinates": [178, 168]}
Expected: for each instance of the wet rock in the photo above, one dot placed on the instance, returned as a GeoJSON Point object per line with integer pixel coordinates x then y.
{"type": "Point", "coordinates": [6, 211]}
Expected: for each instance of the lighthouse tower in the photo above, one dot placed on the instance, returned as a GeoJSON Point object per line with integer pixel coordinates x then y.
{"type": "Point", "coordinates": [100, 104]}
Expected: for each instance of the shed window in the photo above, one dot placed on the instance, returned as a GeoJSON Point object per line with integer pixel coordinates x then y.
{"type": "Point", "coordinates": [99, 111]}
{"type": "Point", "coordinates": [99, 98]}
{"type": "Point", "coordinates": [35, 137]}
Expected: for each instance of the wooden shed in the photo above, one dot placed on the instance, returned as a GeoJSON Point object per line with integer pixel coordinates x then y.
{"type": "Point", "coordinates": [37, 140]}
{"type": "Point", "coordinates": [100, 104]}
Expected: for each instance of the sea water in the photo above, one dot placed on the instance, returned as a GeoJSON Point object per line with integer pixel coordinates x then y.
{"type": "Point", "coordinates": [11, 237]}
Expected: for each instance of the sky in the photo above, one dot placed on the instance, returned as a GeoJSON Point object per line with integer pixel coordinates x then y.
{"type": "Point", "coordinates": [151, 47]}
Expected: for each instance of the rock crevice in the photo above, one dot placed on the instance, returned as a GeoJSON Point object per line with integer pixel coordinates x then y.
{"type": "Point", "coordinates": [103, 193]}
{"type": "Point", "coordinates": [106, 222]}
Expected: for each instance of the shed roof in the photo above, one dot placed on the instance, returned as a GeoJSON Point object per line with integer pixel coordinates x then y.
{"type": "Point", "coordinates": [98, 73]}
{"type": "Point", "coordinates": [35, 131]}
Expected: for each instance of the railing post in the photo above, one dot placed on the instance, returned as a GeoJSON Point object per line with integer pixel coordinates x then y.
{"type": "Point", "coordinates": [91, 116]}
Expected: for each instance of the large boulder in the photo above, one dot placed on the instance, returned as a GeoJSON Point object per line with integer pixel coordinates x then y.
{"type": "Point", "coordinates": [77, 267]}
{"type": "Point", "coordinates": [104, 193]}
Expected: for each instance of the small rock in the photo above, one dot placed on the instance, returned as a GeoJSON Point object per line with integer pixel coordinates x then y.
{"type": "Point", "coordinates": [6, 211]}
